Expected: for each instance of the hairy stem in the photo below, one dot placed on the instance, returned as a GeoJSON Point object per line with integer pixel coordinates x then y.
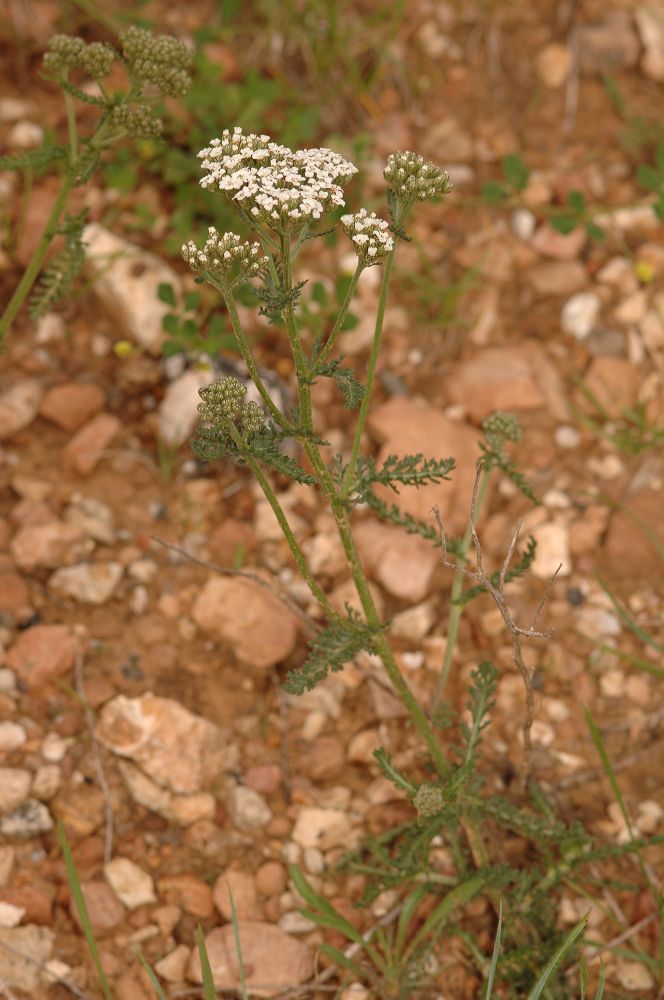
{"type": "Point", "coordinates": [271, 497]}
{"type": "Point", "coordinates": [371, 371]}
{"type": "Point", "coordinates": [245, 351]}
{"type": "Point", "coordinates": [341, 316]}
{"type": "Point", "coordinates": [38, 257]}
{"type": "Point", "coordinates": [456, 609]}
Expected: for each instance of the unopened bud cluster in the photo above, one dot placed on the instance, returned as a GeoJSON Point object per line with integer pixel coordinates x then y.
{"type": "Point", "coordinates": [369, 235]}
{"type": "Point", "coordinates": [138, 121]}
{"type": "Point", "coordinates": [158, 59]}
{"type": "Point", "coordinates": [68, 52]}
{"type": "Point", "coordinates": [225, 258]}
{"type": "Point", "coordinates": [223, 401]}
{"type": "Point", "coordinates": [411, 177]}
{"type": "Point", "coordinates": [500, 427]}
{"type": "Point", "coordinates": [273, 184]}
{"type": "Point", "coordinates": [428, 800]}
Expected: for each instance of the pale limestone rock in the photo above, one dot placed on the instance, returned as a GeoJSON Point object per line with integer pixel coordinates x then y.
{"type": "Point", "coordinates": [131, 884]}
{"type": "Point", "coordinates": [19, 405]}
{"type": "Point", "coordinates": [14, 787]}
{"type": "Point", "coordinates": [408, 426]}
{"type": "Point", "coordinates": [552, 550]}
{"type": "Point", "coordinates": [321, 828]}
{"type": "Point", "coordinates": [127, 279]}
{"type": "Point", "coordinates": [49, 546]}
{"type": "Point", "coordinates": [15, 971]}
{"type": "Point", "coordinates": [87, 583]}
{"type": "Point", "coordinates": [650, 26]}
{"type": "Point", "coordinates": [178, 414]}
{"type": "Point", "coordinates": [173, 967]}
{"type": "Point", "coordinates": [553, 64]}
{"type": "Point", "coordinates": [30, 820]}
{"type": "Point", "coordinates": [403, 564]}
{"type": "Point", "coordinates": [182, 752]}
{"type": "Point", "coordinates": [580, 313]}
{"type": "Point", "coordinates": [255, 623]}
{"type": "Point", "coordinates": [248, 809]}
{"type": "Point", "coordinates": [272, 960]}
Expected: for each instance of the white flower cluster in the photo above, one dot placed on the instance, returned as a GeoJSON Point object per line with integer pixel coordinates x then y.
{"type": "Point", "coordinates": [411, 176]}
{"type": "Point", "coordinates": [369, 235]}
{"type": "Point", "coordinates": [276, 186]}
{"type": "Point", "coordinates": [225, 257]}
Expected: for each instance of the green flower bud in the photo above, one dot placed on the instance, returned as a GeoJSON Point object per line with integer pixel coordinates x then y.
{"type": "Point", "coordinates": [158, 59]}
{"type": "Point", "coordinates": [500, 427]}
{"type": "Point", "coordinates": [64, 52]}
{"type": "Point", "coordinates": [252, 419]}
{"type": "Point", "coordinates": [138, 121]}
{"type": "Point", "coordinates": [97, 59]}
{"type": "Point", "coordinates": [221, 400]}
{"type": "Point", "coordinates": [411, 177]}
{"type": "Point", "coordinates": [428, 800]}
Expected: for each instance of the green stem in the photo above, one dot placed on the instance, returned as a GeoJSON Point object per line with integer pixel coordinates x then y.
{"type": "Point", "coordinates": [72, 130]}
{"type": "Point", "coordinates": [245, 351]}
{"type": "Point", "coordinates": [293, 545]}
{"type": "Point", "coordinates": [457, 589]}
{"type": "Point", "coordinates": [371, 371]}
{"type": "Point", "coordinates": [34, 267]}
{"type": "Point", "coordinates": [341, 316]}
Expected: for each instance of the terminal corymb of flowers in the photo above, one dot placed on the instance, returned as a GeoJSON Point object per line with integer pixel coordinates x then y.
{"type": "Point", "coordinates": [283, 189]}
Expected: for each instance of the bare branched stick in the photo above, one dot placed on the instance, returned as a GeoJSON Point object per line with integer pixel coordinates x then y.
{"type": "Point", "coordinates": [497, 593]}
{"type": "Point", "coordinates": [96, 757]}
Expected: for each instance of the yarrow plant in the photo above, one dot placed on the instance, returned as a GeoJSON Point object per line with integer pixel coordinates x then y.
{"type": "Point", "coordinates": [155, 66]}
{"type": "Point", "coordinates": [284, 195]}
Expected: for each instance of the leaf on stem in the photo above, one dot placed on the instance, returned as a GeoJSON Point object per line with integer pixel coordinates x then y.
{"type": "Point", "coordinates": [332, 648]}
{"type": "Point", "coordinates": [351, 390]}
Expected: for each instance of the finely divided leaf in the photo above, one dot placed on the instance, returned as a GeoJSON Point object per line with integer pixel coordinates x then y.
{"type": "Point", "coordinates": [351, 390]}
{"type": "Point", "coordinates": [332, 648]}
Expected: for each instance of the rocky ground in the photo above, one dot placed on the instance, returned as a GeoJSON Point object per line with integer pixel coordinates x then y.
{"type": "Point", "coordinates": [140, 702]}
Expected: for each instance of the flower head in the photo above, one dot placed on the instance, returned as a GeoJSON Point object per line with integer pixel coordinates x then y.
{"type": "Point", "coordinates": [500, 427]}
{"type": "Point", "coordinates": [67, 52]}
{"type": "Point", "coordinates": [369, 235]}
{"type": "Point", "coordinates": [138, 121]}
{"type": "Point", "coordinates": [221, 400]}
{"type": "Point", "coordinates": [158, 59]}
{"type": "Point", "coordinates": [273, 184]}
{"type": "Point", "coordinates": [412, 177]}
{"type": "Point", "coordinates": [222, 403]}
{"type": "Point", "coordinates": [226, 259]}
{"type": "Point", "coordinates": [428, 800]}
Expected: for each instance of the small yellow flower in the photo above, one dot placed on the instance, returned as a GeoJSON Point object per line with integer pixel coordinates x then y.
{"type": "Point", "coordinates": [123, 348]}
{"type": "Point", "coordinates": [644, 271]}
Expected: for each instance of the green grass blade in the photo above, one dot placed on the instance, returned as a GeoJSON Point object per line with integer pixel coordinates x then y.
{"type": "Point", "coordinates": [496, 952]}
{"type": "Point", "coordinates": [625, 617]}
{"type": "Point", "coordinates": [156, 985]}
{"type": "Point", "coordinates": [600, 982]}
{"type": "Point", "coordinates": [554, 962]}
{"type": "Point", "coordinates": [209, 992]}
{"type": "Point", "coordinates": [238, 944]}
{"type": "Point", "coordinates": [633, 661]}
{"type": "Point", "coordinates": [608, 769]}
{"type": "Point", "coordinates": [339, 958]}
{"type": "Point", "coordinates": [309, 895]}
{"type": "Point", "coordinates": [409, 907]}
{"type": "Point", "coordinates": [456, 897]}
{"type": "Point", "coordinates": [82, 910]}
